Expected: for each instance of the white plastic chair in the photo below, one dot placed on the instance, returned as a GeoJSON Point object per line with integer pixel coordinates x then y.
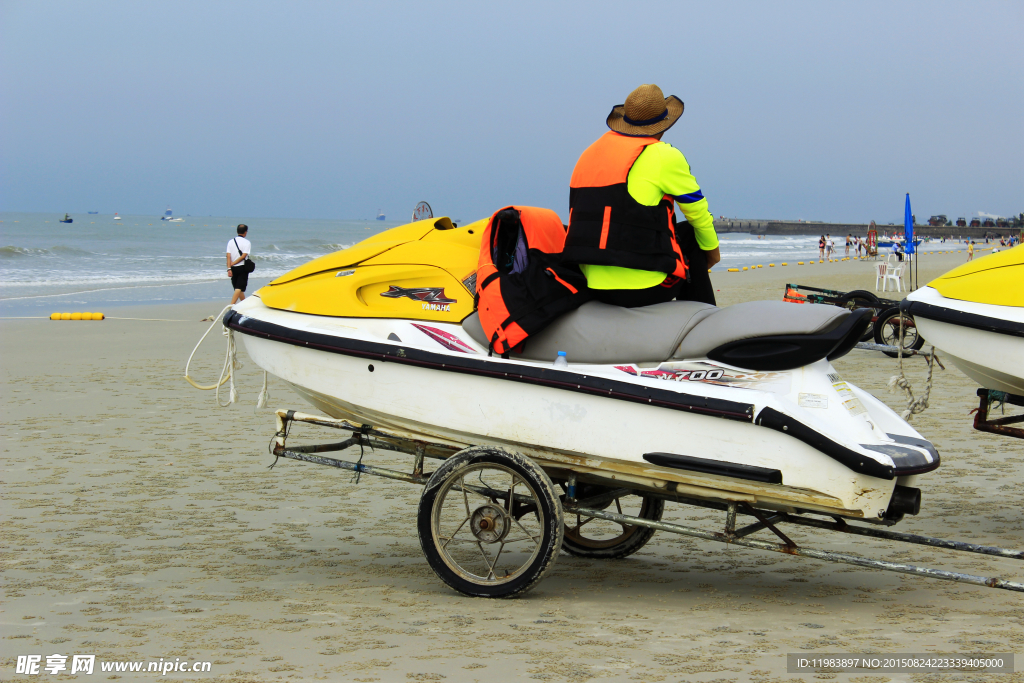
{"type": "Point", "coordinates": [880, 268]}
{"type": "Point", "coordinates": [896, 275]}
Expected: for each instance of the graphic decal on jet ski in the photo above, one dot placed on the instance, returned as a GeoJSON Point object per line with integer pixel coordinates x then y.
{"type": "Point", "coordinates": [777, 382]}
{"type": "Point", "coordinates": [677, 375]}
{"type": "Point", "coordinates": [432, 298]}
{"type": "Point", "coordinates": [445, 339]}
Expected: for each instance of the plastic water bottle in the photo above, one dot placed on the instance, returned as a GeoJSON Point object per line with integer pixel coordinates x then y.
{"type": "Point", "coordinates": [561, 361]}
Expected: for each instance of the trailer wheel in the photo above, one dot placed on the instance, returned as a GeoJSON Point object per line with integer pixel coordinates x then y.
{"type": "Point", "coordinates": [887, 331]}
{"type": "Point", "coordinates": [861, 298]}
{"type": "Point", "coordinates": [490, 523]}
{"type": "Point", "coordinates": [603, 539]}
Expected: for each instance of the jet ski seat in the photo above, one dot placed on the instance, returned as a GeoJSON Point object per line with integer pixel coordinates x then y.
{"type": "Point", "coordinates": [760, 335]}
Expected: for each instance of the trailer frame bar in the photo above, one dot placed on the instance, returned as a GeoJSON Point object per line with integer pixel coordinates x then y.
{"type": "Point", "coordinates": [367, 436]}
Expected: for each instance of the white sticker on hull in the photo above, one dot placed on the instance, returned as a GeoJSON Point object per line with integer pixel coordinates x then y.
{"type": "Point", "coordinates": [846, 395]}
{"type": "Point", "coordinates": [813, 401]}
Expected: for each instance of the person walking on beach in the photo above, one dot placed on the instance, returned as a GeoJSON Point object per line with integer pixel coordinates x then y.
{"type": "Point", "coordinates": [238, 252]}
{"type": "Point", "coordinates": [849, 239]}
{"type": "Point", "coordinates": [821, 247]}
{"type": "Point", "coordinates": [970, 250]}
{"type": "Point", "coordinates": [622, 231]}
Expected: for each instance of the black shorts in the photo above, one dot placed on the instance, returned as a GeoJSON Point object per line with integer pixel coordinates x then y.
{"type": "Point", "coordinates": [698, 288]}
{"type": "Point", "coordinates": [239, 278]}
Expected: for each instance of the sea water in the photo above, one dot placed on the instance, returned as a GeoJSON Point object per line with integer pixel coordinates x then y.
{"type": "Point", "coordinates": [97, 262]}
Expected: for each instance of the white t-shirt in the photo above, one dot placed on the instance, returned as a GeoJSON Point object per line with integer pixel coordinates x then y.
{"type": "Point", "coordinates": [244, 244]}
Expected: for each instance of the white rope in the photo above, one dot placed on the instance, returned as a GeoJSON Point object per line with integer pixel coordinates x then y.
{"type": "Point", "coordinates": [227, 373]}
{"type": "Point", "coordinates": [264, 397]}
{"type": "Point", "coordinates": [900, 382]}
{"type": "Point", "coordinates": [211, 387]}
{"type": "Point", "coordinates": [152, 320]}
{"type": "Point", "coordinates": [231, 363]}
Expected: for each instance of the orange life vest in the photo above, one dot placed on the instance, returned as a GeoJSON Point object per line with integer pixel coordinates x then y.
{"type": "Point", "coordinates": [521, 286]}
{"type": "Point", "coordinates": [607, 227]}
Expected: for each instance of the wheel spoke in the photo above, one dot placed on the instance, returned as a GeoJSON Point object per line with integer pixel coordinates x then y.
{"type": "Point", "coordinates": [536, 539]}
{"type": "Point", "coordinates": [452, 537]}
{"type": "Point", "coordinates": [495, 563]}
{"type": "Point", "coordinates": [490, 565]}
{"type": "Point", "coordinates": [465, 496]}
{"type": "Point", "coordinates": [511, 493]}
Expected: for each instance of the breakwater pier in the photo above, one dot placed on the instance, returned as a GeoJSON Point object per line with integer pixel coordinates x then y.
{"type": "Point", "coordinates": [755, 226]}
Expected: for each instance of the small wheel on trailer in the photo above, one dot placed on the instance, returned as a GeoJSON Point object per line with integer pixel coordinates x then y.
{"type": "Point", "coordinates": [490, 522]}
{"type": "Point", "coordinates": [604, 539]}
{"type": "Point", "coordinates": [861, 298]}
{"type": "Point", "coordinates": [887, 331]}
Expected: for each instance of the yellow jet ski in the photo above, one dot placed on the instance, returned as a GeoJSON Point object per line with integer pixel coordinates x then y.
{"type": "Point", "coordinates": [975, 315]}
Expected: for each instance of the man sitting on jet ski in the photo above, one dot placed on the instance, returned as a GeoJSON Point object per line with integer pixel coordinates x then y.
{"type": "Point", "coordinates": [622, 228]}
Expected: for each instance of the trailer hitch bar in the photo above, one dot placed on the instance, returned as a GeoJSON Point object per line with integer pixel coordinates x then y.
{"type": "Point", "coordinates": [824, 555]}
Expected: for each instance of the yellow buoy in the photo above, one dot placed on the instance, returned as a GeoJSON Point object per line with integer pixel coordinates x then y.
{"type": "Point", "coordinates": [55, 316]}
{"type": "Point", "coordinates": [820, 261]}
{"type": "Point", "coordinates": [86, 316]}
{"type": "Point", "coordinates": [771, 265]}
{"type": "Point", "coordinates": [800, 263]}
{"type": "Point", "coordinates": [65, 316]}
{"type": "Point", "coordinates": [785, 264]}
{"type": "Point", "coordinates": [734, 270]}
{"type": "Point", "coordinates": [744, 268]}
{"type": "Point", "coordinates": [76, 316]}
{"type": "Point", "coordinates": [97, 316]}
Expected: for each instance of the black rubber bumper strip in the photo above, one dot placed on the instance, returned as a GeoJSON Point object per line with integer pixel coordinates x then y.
{"type": "Point", "coordinates": [858, 462]}
{"type": "Point", "coordinates": [494, 368]}
{"type": "Point", "coordinates": [941, 314]}
{"type": "Point", "coordinates": [723, 469]}
{"type": "Point", "coordinates": [908, 467]}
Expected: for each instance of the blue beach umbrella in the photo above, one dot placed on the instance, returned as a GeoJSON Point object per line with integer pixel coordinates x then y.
{"type": "Point", "coordinates": [908, 228]}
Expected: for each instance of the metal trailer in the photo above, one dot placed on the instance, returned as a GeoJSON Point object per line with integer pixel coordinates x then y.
{"type": "Point", "coordinates": [989, 399]}
{"type": "Point", "coordinates": [885, 323]}
{"type": "Point", "coordinates": [491, 521]}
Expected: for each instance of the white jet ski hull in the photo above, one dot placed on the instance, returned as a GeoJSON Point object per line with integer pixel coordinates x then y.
{"type": "Point", "coordinates": [433, 381]}
{"type": "Point", "coordinates": [978, 338]}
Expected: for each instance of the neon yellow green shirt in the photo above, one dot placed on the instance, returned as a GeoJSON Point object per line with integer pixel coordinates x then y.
{"type": "Point", "coordinates": [660, 170]}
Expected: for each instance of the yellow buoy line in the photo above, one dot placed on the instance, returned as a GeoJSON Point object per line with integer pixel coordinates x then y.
{"type": "Point", "coordinates": [77, 316]}
{"type": "Point", "coordinates": [93, 316]}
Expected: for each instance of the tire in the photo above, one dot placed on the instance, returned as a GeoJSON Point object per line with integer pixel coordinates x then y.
{"type": "Point", "coordinates": [600, 540]}
{"type": "Point", "coordinates": [473, 555]}
{"type": "Point", "coordinates": [887, 331]}
{"type": "Point", "coordinates": [861, 298]}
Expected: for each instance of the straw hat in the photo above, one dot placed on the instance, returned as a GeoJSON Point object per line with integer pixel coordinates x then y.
{"type": "Point", "coordinates": [646, 112]}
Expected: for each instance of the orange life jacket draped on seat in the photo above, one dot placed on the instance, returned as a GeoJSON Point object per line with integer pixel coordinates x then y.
{"type": "Point", "coordinates": [521, 286]}
{"type": "Point", "coordinates": [607, 227]}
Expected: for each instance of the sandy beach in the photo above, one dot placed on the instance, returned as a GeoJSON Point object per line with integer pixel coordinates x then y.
{"type": "Point", "coordinates": [141, 522]}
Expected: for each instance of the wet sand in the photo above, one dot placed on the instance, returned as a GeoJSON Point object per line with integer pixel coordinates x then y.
{"type": "Point", "coordinates": [141, 521]}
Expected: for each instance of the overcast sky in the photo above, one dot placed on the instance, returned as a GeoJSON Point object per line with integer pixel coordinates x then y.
{"type": "Point", "coordinates": [813, 110]}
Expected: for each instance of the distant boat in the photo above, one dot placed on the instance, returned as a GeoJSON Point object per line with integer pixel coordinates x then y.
{"type": "Point", "coordinates": [67, 219]}
{"type": "Point", "coordinates": [169, 216]}
{"type": "Point", "coordinates": [380, 215]}
{"type": "Point", "coordinates": [116, 217]}
{"type": "Point", "coordinates": [94, 212]}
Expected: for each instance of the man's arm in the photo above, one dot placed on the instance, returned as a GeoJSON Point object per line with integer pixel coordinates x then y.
{"type": "Point", "coordinates": [683, 187]}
